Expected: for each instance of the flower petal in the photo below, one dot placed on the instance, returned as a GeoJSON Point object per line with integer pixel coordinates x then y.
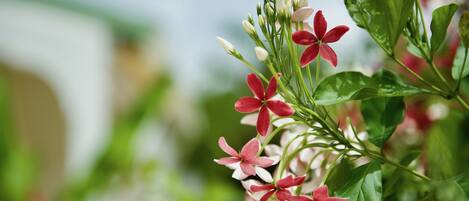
{"type": "Point", "coordinates": [247, 104]}
{"type": "Point", "coordinates": [226, 148]}
{"type": "Point", "coordinates": [250, 119]}
{"type": "Point", "coordinates": [247, 168]}
{"type": "Point", "coordinates": [309, 54]}
{"type": "Point", "coordinates": [335, 34]}
{"type": "Point", "coordinates": [300, 198]}
{"type": "Point", "coordinates": [250, 149]}
{"type": "Point", "coordinates": [267, 196]}
{"type": "Point", "coordinates": [320, 25]}
{"type": "Point", "coordinates": [280, 108]}
{"type": "Point", "coordinates": [321, 193]}
{"type": "Point", "coordinates": [261, 161]}
{"type": "Point", "coordinates": [263, 122]}
{"type": "Point", "coordinates": [238, 174]}
{"type": "Point", "coordinates": [302, 14]}
{"type": "Point", "coordinates": [255, 85]}
{"type": "Point", "coordinates": [271, 88]}
{"type": "Point", "coordinates": [290, 181]}
{"type": "Point", "coordinates": [304, 37]}
{"type": "Point", "coordinates": [264, 174]}
{"type": "Point", "coordinates": [265, 187]}
{"type": "Point", "coordinates": [283, 195]}
{"type": "Point", "coordinates": [227, 160]}
{"type": "Point", "coordinates": [328, 54]}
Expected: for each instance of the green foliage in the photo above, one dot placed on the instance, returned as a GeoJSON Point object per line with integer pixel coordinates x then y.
{"type": "Point", "coordinates": [346, 86]}
{"type": "Point", "coordinates": [382, 115]}
{"type": "Point", "coordinates": [391, 185]}
{"type": "Point", "coordinates": [441, 17]}
{"type": "Point", "coordinates": [363, 183]}
{"type": "Point", "coordinates": [383, 19]}
{"type": "Point", "coordinates": [464, 28]}
{"type": "Point", "coordinates": [458, 64]}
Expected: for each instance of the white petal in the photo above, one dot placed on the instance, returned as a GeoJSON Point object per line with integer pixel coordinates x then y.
{"type": "Point", "coordinates": [264, 174]}
{"type": "Point", "coordinates": [248, 183]}
{"type": "Point", "coordinates": [276, 159]}
{"type": "Point", "coordinates": [239, 174]}
{"type": "Point", "coordinates": [273, 150]}
{"type": "Point", "coordinates": [302, 14]}
{"type": "Point", "coordinates": [250, 119]}
{"type": "Point", "coordinates": [233, 166]}
{"type": "Point", "coordinates": [282, 121]}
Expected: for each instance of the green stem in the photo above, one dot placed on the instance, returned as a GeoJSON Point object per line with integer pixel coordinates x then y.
{"type": "Point", "coordinates": [435, 88]}
{"type": "Point", "coordinates": [318, 69]}
{"type": "Point", "coordinates": [462, 102]}
{"type": "Point", "coordinates": [253, 69]}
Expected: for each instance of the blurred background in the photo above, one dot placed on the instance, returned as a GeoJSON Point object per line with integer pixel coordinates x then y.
{"type": "Point", "coordinates": [125, 100]}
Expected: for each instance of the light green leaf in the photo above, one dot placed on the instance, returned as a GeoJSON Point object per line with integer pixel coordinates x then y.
{"type": "Point", "coordinates": [364, 183]}
{"type": "Point", "coordinates": [458, 64]}
{"type": "Point", "coordinates": [441, 17]}
{"type": "Point", "coordinates": [383, 19]}
{"type": "Point", "coordinates": [346, 86]}
{"type": "Point", "coordinates": [450, 190]}
{"type": "Point", "coordinates": [382, 115]}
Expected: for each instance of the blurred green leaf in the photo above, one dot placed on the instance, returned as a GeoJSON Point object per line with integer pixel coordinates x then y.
{"type": "Point", "coordinates": [458, 64]}
{"type": "Point", "coordinates": [441, 17]}
{"type": "Point", "coordinates": [464, 28]}
{"type": "Point", "coordinates": [383, 19]}
{"type": "Point", "coordinates": [382, 115]}
{"type": "Point", "coordinates": [450, 190]}
{"type": "Point", "coordinates": [339, 175]}
{"type": "Point", "coordinates": [364, 183]}
{"type": "Point", "coordinates": [391, 184]}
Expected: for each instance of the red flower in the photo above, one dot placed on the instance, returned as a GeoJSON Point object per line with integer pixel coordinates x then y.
{"type": "Point", "coordinates": [247, 160]}
{"type": "Point", "coordinates": [320, 194]}
{"type": "Point", "coordinates": [280, 188]}
{"type": "Point", "coordinates": [262, 101]}
{"type": "Point", "coordinates": [318, 43]}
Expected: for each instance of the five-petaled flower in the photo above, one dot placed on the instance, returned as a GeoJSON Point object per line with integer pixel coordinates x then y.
{"type": "Point", "coordinates": [246, 162]}
{"type": "Point", "coordinates": [262, 101]}
{"type": "Point", "coordinates": [320, 194]}
{"type": "Point", "coordinates": [280, 188]}
{"type": "Point", "coordinates": [319, 43]}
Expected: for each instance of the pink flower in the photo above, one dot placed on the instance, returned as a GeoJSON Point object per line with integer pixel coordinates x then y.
{"type": "Point", "coordinates": [280, 188]}
{"type": "Point", "coordinates": [246, 162]}
{"type": "Point", "coordinates": [320, 194]}
{"type": "Point", "coordinates": [319, 43]}
{"type": "Point", "coordinates": [262, 101]}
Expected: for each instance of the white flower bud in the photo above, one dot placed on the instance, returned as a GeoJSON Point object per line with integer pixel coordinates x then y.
{"type": "Point", "coordinates": [226, 45]}
{"type": "Point", "coordinates": [261, 53]}
{"type": "Point", "coordinates": [261, 20]}
{"type": "Point", "coordinates": [248, 28]}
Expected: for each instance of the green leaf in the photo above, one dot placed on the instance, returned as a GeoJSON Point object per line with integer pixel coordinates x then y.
{"type": "Point", "coordinates": [382, 115]}
{"type": "Point", "coordinates": [364, 183]}
{"type": "Point", "coordinates": [346, 86]}
{"type": "Point", "coordinates": [339, 175]}
{"type": "Point", "coordinates": [383, 19]}
{"type": "Point", "coordinates": [463, 182]}
{"type": "Point", "coordinates": [441, 17]}
{"type": "Point", "coordinates": [464, 28]}
{"type": "Point", "coordinates": [389, 186]}
{"type": "Point", "coordinates": [458, 64]}
{"type": "Point", "coordinates": [450, 190]}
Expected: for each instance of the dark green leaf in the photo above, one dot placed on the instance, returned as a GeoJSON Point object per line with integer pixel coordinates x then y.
{"type": "Point", "coordinates": [441, 17]}
{"type": "Point", "coordinates": [382, 115]}
{"type": "Point", "coordinates": [364, 183]}
{"type": "Point", "coordinates": [458, 64]}
{"type": "Point", "coordinates": [346, 86]}
{"type": "Point", "coordinates": [383, 19]}
{"type": "Point", "coordinates": [463, 182]}
{"type": "Point", "coordinates": [339, 175]}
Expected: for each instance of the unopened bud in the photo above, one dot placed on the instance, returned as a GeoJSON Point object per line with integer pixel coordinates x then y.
{"type": "Point", "coordinates": [464, 28]}
{"type": "Point", "coordinates": [229, 48]}
{"type": "Point", "coordinates": [261, 20]}
{"type": "Point", "coordinates": [248, 27]}
{"type": "Point", "coordinates": [269, 10]}
{"type": "Point", "coordinates": [259, 9]}
{"type": "Point", "coordinates": [261, 53]}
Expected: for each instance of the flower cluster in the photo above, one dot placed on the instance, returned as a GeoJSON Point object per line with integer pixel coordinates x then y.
{"type": "Point", "coordinates": [301, 168]}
